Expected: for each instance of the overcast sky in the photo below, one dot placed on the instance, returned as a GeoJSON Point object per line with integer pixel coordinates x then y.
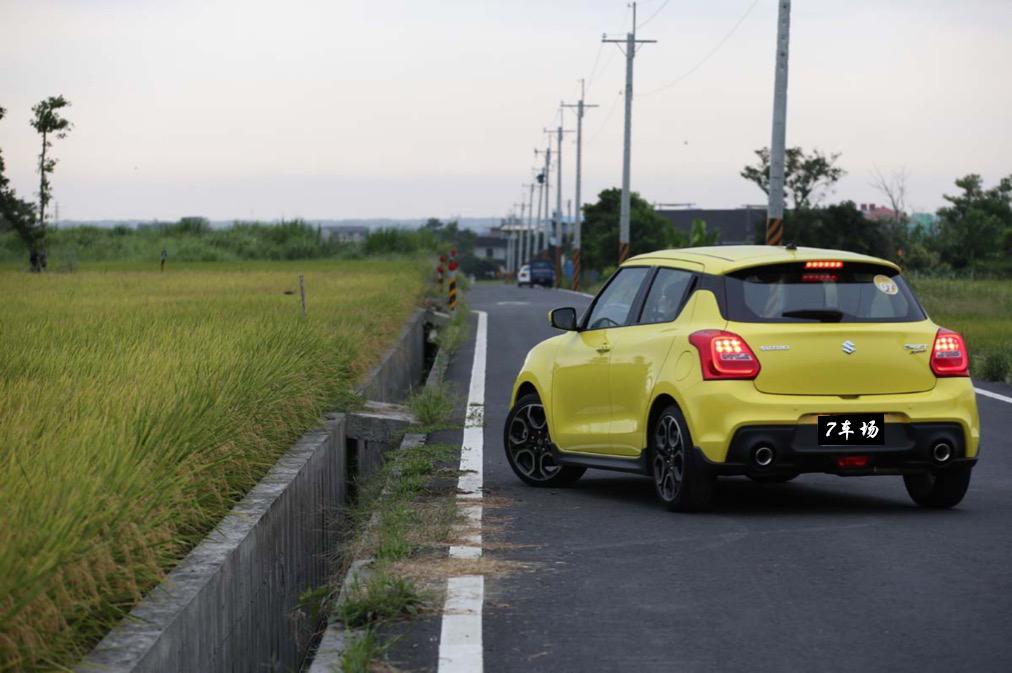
{"type": "Point", "coordinates": [338, 109]}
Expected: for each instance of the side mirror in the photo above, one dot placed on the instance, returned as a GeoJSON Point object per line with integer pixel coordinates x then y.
{"type": "Point", "coordinates": [563, 318]}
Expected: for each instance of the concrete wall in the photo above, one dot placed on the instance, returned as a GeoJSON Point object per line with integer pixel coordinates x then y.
{"type": "Point", "coordinates": [232, 603]}
{"type": "Point", "coordinates": [400, 371]}
{"type": "Point", "coordinates": [227, 606]}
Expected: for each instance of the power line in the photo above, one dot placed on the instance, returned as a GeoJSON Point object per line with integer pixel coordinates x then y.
{"type": "Point", "coordinates": [656, 12]}
{"type": "Point", "coordinates": [607, 117]}
{"type": "Point", "coordinates": [709, 54]}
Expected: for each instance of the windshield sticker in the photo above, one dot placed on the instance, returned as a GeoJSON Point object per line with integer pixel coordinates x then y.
{"type": "Point", "coordinates": [885, 284]}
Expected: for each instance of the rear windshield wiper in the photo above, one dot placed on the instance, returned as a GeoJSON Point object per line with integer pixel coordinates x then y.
{"type": "Point", "coordinates": [821, 314]}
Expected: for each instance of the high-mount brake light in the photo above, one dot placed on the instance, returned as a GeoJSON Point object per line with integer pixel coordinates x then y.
{"type": "Point", "coordinates": [823, 264]}
{"type": "Point", "coordinates": [818, 278]}
{"type": "Point", "coordinates": [948, 354]}
{"type": "Point", "coordinates": [724, 355]}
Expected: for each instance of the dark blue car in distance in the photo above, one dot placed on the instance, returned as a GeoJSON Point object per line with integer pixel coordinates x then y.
{"type": "Point", "coordinates": [538, 272]}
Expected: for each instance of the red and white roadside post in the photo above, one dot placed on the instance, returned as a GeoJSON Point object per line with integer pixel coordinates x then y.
{"type": "Point", "coordinates": [452, 299]}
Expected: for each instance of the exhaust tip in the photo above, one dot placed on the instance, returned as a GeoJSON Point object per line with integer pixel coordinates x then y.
{"type": "Point", "coordinates": [941, 452]}
{"type": "Point", "coordinates": [763, 456]}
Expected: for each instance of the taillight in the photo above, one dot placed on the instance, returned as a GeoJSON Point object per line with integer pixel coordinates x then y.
{"type": "Point", "coordinates": [948, 354]}
{"type": "Point", "coordinates": [724, 355]}
{"type": "Point", "coordinates": [824, 264]}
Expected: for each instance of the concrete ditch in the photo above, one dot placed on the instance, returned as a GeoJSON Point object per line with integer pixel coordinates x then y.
{"type": "Point", "coordinates": [232, 604]}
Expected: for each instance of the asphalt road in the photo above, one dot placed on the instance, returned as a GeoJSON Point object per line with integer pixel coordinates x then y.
{"type": "Point", "coordinates": [822, 574]}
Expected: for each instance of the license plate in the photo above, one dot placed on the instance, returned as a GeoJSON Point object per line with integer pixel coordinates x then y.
{"type": "Point", "coordinates": [852, 430]}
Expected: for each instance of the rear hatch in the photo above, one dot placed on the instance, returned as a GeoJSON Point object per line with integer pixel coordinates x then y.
{"type": "Point", "coordinates": [831, 328]}
{"type": "Point", "coordinates": [542, 269]}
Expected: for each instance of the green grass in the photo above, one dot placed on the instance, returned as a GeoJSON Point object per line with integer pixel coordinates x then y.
{"type": "Point", "coordinates": [137, 407]}
{"type": "Point", "coordinates": [981, 310]}
{"type": "Point", "coordinates": [384, 596]}
{"type": "Point", "coordinates": [432, 406]}
{"type": "Point", "coordinates": [361, 651]}
{"type": "Point", "coordinates": [412, 518]}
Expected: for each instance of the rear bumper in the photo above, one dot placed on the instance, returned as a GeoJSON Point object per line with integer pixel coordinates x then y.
{"type": "Point", "coordinates": [907, 449]}
{"type": "Point", "coordinates": [718, 410]}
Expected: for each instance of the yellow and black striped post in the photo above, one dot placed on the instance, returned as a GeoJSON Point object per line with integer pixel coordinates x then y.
{"type": "Point", "coordinates": [451, 303]}
{"type": "Point", "coordinates": [576, 268]}
{"type": "Point", "coordinates": [774, 231]}
{"type": "Point", "coordinates": [623, 252]}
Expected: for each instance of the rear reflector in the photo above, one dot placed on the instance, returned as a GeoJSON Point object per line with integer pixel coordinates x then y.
{"type": "Point", "coordinates": [724, 355]}
{"type": "Point", "coordinates": [948, 355]}
{"type": "Point", "coordinates": [844, 462]}
{"type": "Point", "coordinates": [824, 264]}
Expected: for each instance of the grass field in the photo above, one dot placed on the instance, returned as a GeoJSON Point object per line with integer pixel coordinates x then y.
{"type": "Point", "coordinates": [136, 407]}
{"type": "Point", "coordinates": [981, 310]}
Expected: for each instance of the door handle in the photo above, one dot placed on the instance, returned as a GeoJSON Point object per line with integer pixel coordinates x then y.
{"type": "Point", "coordinates": [604, 348]}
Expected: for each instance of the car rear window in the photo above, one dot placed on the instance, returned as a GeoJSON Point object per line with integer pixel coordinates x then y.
{"type": "Point", "coordinates": [820, 292]}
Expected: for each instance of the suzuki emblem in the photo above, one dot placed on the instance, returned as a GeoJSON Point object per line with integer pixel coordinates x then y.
{"type": "Point", "coordinates": [848, 347]}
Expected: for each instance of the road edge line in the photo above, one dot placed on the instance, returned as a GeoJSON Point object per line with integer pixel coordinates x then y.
{"type": "Point", "coordinates": [460, 638]}
{"type": "Point", "coordinates": [994, 396]}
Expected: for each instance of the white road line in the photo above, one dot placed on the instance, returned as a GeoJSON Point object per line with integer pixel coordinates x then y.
{"type": "Point", "coordinates": [460, 648]}
{"type": "Point", "coordinates": [995, 396]}
{"type": "Point", "coordinates": [582, 294]}
{"type": "Point", "coordinates": [460, 644]}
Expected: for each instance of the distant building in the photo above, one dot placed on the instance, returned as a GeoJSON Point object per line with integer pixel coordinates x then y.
{"type": "Point", "coordinates": [491, 247]}
{"type": "Point", "coordinates": [877, 213]}
{"type": "Point", "coordinates": [737, 226]}
{"type": "Point", "coordinates": [345, 233]}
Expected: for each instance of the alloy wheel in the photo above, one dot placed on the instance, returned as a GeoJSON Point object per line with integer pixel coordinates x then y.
{"type": "Point", "coordinates": [668, 457]}
{"type": "Point", "coordinates": [529, 444]}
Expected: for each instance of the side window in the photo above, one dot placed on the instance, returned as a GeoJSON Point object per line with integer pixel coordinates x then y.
{"type": "Point", "coordinates": [614, 304]}
{"type": "Point", "coordinates": [666, 296]}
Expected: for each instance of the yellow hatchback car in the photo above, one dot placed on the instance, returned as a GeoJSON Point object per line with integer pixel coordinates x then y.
{"type": "Point", "coordinates": [761, 361]}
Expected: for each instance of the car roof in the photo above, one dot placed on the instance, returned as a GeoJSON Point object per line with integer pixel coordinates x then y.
{"type": "Point", "coordinates": [721, 259]}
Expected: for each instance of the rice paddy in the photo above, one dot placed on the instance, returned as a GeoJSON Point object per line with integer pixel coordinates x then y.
{"type": "Point", "coordinates": [137, 407]}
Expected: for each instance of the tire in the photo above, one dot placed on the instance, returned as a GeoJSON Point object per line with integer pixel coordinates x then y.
{"type": "Point", "coordinates": [529, 446]}
{"type": "Point", "coordinates": [940, 490]}
{"type": "Point", "coordinates": [773, 478]}
{"type": "Point", "coordinates": [682, 483]}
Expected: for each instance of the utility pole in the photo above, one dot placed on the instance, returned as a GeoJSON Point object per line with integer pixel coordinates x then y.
{"type": "Point", "coordinates": [516, 235]}
{"type": "Point", "coordinates": [546, 223]}
{"type": "Point", "coordinates": [775, 210]}
{"type": "Point", "coordinates": [577, 222]}
{"type": "Point", "coordinates": [540, 179]}
{"type": "Point", "coordinates": [509, 244]}
{"type": "Point", "coordinates": [525, 251]}
{"type": "Point", "coordinates": [630, 53]}
{"type": "Point", "coordinates": [557, 224]}
{"type": "Point", "coordinates": [546, 184]}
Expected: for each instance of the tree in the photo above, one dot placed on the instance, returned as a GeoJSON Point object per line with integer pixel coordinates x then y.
{"type": "Point", "coordinates": [47, 122]}
{"type": "Point", "coordinates": [807, 177]}
{"type": "Point", "coordinates": [699, 236]}
{"type": "Point", "coordinates": [16, 213]}
{"type": "Point", "coordinates": [976, 226]}
{"type": "Point", "coordinates": [894, 188]}
{"type": "Point", "coordinates": [648, 230]}
{"type": "Point", "coordinates": [841, 226]}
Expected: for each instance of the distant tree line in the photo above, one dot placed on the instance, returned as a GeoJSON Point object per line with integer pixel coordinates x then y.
{"type": "Point", "coordinates": [972, 235]}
